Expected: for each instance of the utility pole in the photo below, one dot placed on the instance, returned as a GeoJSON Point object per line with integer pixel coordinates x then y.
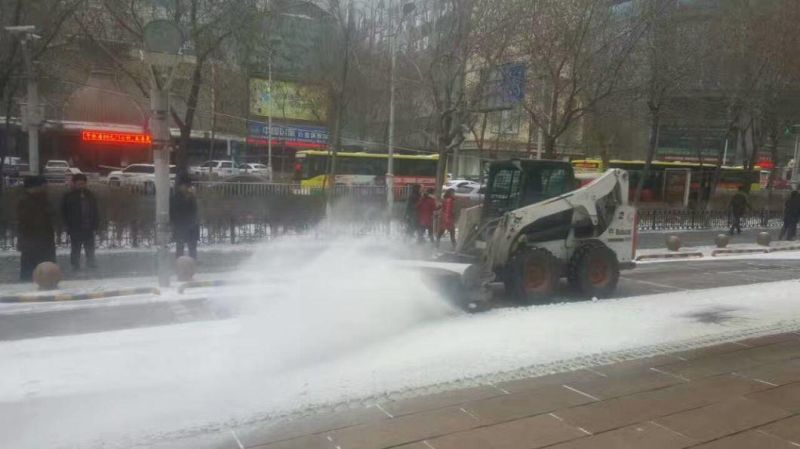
{"type": "Point", "coordinates": [269, 117]}
{"type": "Point", "coordinates": [407, 9]}
{"type": "Point", "coordinates": [32, 113]}
{"type": "Point", "coordinates": [163, 41]}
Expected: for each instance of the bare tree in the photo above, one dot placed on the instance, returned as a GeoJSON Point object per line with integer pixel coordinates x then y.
{"type": "Point", "coordinates": [576, 52]}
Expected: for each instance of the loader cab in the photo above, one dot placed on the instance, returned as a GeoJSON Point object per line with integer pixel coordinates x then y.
{"type": "Point", "coordinates": [518, 183]}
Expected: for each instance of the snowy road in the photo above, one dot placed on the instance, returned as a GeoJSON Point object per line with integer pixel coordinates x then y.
{"type": "Point", "coordinates": [48, 320]}
{"type": "Point", "coordinates": [360, 332]}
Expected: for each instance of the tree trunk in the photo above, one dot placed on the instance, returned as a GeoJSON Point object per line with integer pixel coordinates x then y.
{"type": "Point", "coordinates": [182, 156]}
{"type": "Point", "coordinates": [655, 125]}
{"type": "Point", "coordinates": [549, 147]}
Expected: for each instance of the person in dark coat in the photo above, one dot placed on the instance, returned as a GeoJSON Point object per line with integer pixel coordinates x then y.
{"type": "Point", "coordinates": [738, 207]}
{"type": "Point", "coordinates": [35, 236]}
{"type": "Point", "coordinates": [79, 212]}
{"type": "Point", "coordinates": [184, 218]}
{"type": "Point", "coordinates": [791, 215]}
{"type": "Point", "coordinates": [411, 209]}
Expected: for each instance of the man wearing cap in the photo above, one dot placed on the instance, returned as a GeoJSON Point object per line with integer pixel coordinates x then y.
{"type": "Point", "coordinates": [35, 236]}
{"type": "Point", "coordinates": [79, 212]}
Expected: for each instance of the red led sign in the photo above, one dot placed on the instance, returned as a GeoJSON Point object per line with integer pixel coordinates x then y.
{"type": "Point", "coordinates": [112, 137]}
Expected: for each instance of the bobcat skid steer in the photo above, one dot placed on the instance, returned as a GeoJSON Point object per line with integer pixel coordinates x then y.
{"type": "Point", "coordinates": [536, 226]}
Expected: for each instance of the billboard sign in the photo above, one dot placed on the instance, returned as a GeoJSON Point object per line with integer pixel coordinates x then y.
{"type": "Point", "coordinates": [288, 100]}
{"type": "Point", "coordinates": [292, 135]}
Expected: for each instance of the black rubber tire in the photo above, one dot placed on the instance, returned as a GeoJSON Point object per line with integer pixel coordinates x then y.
{"type": "Point", "coordinates": [532, 275]}
{"type": "Point", "coordinates": [593, 270]}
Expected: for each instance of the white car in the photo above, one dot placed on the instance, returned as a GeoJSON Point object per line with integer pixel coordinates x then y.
{"type": "Point", "coordinates": [254, 169]}
{"type": "Point", "coordinates": [59, 170]}
{"type": "Point", "coordinates": [215, 169]}
{"type": "Point", "coordinates": [138, 175]}
{"type": "Point", "coordinates": [464, 188]}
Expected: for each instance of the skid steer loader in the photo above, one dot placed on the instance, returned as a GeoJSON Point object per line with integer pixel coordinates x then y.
{"type": "Point", "coordinates": [537, 225]}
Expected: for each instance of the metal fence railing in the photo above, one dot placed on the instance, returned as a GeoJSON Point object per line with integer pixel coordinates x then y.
{"type": "Point", "coordinates": [237, 230]}
{"type": "Point", "coordinates": [688, 219]}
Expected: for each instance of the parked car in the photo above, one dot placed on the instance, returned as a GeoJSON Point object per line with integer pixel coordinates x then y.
{"type": "Point", "coordinates": [139, 176]}
{"type": "Point", "coordinates": [254, 169]}
{"type": "Point", "coordinates": [213, 169]}
{"type": "Point", "coordinates": [14, 166]}
{"type": "Point", "coordinates": [59, 170]}
{"type": "Point", "coordinates": [466, 189]}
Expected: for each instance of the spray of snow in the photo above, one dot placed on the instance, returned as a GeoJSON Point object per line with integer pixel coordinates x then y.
{"type": "Point", "coordinates": [317, 301]}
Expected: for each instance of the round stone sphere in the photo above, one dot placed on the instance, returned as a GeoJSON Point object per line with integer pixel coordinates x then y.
{"type": "Point", "coordinates": [185, 268]}
{"type": "Point", "coordinates": [763, 238]}
{"type": "Point", "coordinates": [47, 275]}
{"type": "Point", "coordinates": [673, 243]}
{"type": "Point", "coordinates": [722, 240]}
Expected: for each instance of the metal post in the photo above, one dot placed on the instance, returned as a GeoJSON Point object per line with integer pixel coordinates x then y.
{"type": "Point", "coordinates": [390, 149]}
{"type": "Point", "coordinates": [32, 116]}
{"type": "Point", "coordinates": [159, 126]}
{"type": "Point", "coordinates": [724, 154]}
{"type": "Point", "coordinates": [269, 116]}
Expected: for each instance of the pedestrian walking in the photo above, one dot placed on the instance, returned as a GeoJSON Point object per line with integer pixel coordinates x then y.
{"type": "Point", "coordinates": [425, 209]}
{"type": "Point", "coordinates": [412, 222]}
{"type": "Point", "coordinates": [448, 219]}
{"type": "Point", "coordinates": [35, 236]}
{"type": "Point", "coordinates": [738, 207]}
{"type": "Point", "coordinates": [791, 215]}
{"type": "Point", "coordinates": [184, 219]}
{"type": "Point", "coordinates": [80, 217]}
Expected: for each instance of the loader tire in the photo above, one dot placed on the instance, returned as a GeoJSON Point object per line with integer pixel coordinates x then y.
{"type": "Point", "coordinates": [593, 270]}
{"type": "Point", "coordinates": [532, 275]}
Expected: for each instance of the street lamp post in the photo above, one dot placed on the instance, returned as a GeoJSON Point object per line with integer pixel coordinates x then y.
{"type": "Point", "coordinates": [407, 9]}
{"type": "Point", "coordinates": [32, 114]}
{"type": "Point", "coordinates": [162, 41]}
{"type": "Point", "coordinates": [269, 117]}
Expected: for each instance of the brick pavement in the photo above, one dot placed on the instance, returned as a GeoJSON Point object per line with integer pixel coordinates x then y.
{"type": "Point", "coordinates": [735, 395]}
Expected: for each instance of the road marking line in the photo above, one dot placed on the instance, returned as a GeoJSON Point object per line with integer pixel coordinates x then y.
{"type": "Point", "coordinates": [328, 437]}
{"type": "Point", "coordinates": [656, 284]}
{"type": "Point", "coordinates": [668, 429]}
{"type": "Point", "coordinates": [425, 442]}
{"type": "Point", "coordinates": [238, 441]}
{"type": "Point", "coordinates": [575, 390]}
{"type": "Point", "coordinates": [556, 416]}
{"type": "Point", "coordinates": [666, 373]}
{"type": "Point", "coordinates": [777, 437]}
{"type": "Point", "coordinates": [594, 371]}
{"type": "Point", "coordinates": [470, 414]}
{"type": "Point", "coordinates": [765, 382]}
{"type": "Point", "coordinates": [384, 411]}
{"type": "Point", "coordinates": [584, 431]}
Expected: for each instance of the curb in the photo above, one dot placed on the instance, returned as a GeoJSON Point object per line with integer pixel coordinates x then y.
{"type": "Point", "coordinates": [716, 252]}
{"type": "Point", "coordinates": [79, 296]}
{"type": "Point", "coordinates": [203, 284]}
{"type": "Point", "coordinates": [785, 248]}
{"type": "Point", "coordinates": [687, 255]}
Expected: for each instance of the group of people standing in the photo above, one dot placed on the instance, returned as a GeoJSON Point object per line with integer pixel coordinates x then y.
{"type": "Point", "coordinates": [80, 218]}
{"type": "Point", "coordinates": [421, 212]}
{"type": "Point", "coordinates": [36, 235]}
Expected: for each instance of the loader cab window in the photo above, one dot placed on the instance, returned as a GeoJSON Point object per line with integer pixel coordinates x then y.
{"type": "Point", "coordinates": [503, 192]}
{"type": "Point", "coordinates": [543, 182]}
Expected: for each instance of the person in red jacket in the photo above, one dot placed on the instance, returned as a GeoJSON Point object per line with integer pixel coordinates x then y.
{"type": "Point", "coordinates": [425, 209]}
{"type": "Point", "coordinates": [448, 217]}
